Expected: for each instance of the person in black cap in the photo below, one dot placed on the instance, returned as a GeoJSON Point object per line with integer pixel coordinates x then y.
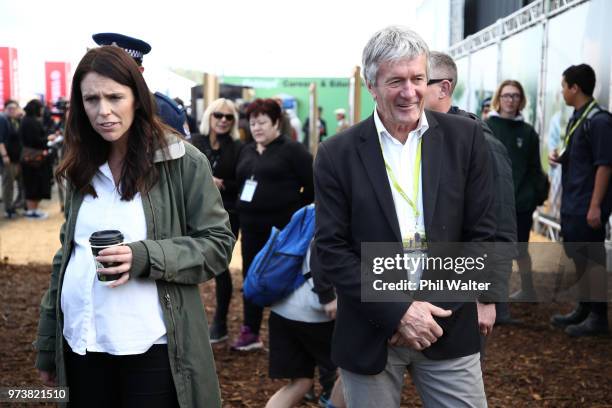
{"type": "Point", "coordinates": [171, 114]}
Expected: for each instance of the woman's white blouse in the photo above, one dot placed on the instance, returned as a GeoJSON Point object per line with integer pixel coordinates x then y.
{"type": "Point", "coordinates": [123, 320]}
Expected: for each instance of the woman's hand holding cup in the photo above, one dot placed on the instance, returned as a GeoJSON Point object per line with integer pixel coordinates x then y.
{"type": "Point", "coordinates": [121, 257]}
{"type": "Point", "coordinates": [113, 259]}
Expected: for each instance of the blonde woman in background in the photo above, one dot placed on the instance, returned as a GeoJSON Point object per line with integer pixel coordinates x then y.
{"type": "Point", "coordinates": [219, 141]}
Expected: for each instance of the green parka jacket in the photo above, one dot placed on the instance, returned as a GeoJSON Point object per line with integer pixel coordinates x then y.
{"type": "Point", "coordinates": [189, 241]}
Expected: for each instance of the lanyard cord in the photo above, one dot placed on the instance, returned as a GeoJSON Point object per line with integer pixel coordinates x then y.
{"type": "Point", "coordinates": [569, 134]}
{"type": "Point", "coordinates": [416, 176]}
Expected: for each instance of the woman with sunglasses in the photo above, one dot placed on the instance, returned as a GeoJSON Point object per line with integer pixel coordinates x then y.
{"type": "Point", "coordinates": [219, 141]}
{"type": "Point", "coordinates": [523, 146]}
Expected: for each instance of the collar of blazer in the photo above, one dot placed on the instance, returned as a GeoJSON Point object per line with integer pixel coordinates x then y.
{"type": "Point", "coordinates": [372, 159]}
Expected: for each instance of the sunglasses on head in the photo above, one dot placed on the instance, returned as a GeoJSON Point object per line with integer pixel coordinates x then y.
{"type": "Point", "coordinates": [228, 116]}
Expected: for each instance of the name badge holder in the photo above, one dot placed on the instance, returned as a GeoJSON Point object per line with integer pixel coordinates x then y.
{"type": "Point", "coordinates": [415, 247]}
{"type": "Point", "coordinates": [248, 191]}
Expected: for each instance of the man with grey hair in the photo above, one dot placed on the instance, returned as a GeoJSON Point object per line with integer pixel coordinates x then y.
{"type": "Point", "coordinates": [438, 98]}
{"type": "Point", "coordinates": [401, 175]}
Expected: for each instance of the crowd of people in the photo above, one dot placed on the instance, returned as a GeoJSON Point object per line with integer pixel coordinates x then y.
{"type": "Point", "coordinates": [418, 168]}
{"type": "Point", "coordinates": [29, 151]}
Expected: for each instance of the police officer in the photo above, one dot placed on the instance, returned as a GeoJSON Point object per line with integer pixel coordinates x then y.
{"type": "Point", "coordinates": [170, 113]}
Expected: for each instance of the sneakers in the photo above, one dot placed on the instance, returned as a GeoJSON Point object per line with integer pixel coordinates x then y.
{"type": "Point", "coordinates": [247, 340]}
{"type": "Point", "coordinates": [524, 295]}
{"type": "Point", "coordinates": [10, 214]}
{"type": "Point", "coordinates": [324, 400]}
{"type": "Point", "coordinates": [503, 316]}
{"type": "Point", "coordinates": [576, 316]}
{"type": "Point", "coordinates": [35, 215]}
{"type": "Point", "coordinates": [507, 321]}
{"type": "Point", "coordinates": [594, 325]}
{"type": "Point", "coordinates": [218, 333]}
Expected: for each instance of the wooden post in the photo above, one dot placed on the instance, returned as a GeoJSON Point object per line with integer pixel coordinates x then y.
{"type": "Point", "coordinates": [313, 119]}
{"type": "Point", "coordinates": [355, 96]}
{"type": "Point", "coordinates": [211, 89]}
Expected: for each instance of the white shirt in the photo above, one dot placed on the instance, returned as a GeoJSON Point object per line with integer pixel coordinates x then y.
{"type": "Point", "coordinates": [303, 304]}
{"type": "Point", "coordinates": [400, 157]}
{"type": "Point", "coordinates": [123, 320]}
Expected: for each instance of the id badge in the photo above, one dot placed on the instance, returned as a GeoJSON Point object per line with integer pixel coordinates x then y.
{"type": "Point", "coordinates": [414, 237]}
{"type": "Point", "coordinates": [415, 250]}
{"type": "Point", "coordinates": [248, 191]}
{"type": "Point", "coordinates": [415, 240]}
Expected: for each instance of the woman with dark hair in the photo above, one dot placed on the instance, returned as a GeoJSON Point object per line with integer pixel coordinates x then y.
{"type": "Point", "coordinates": [219, 141]}
{"type": "Point", "coordinates": [35, 166]}
{"type": "Point", "coordinates": [523, 146]}
{"type": "Point", "coordinates": [137, 341]}
{"type": "Point", "coordinates": [275, 178]}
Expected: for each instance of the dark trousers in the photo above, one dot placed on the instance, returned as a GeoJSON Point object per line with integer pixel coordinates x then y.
{"type": "Point", "coordinates": [255, 230]}
{"type": "Point", "coordinates": [253, 239]}
{"type": "Point", "coordinates": [132, 381]}
{"type": "Point", "coordinates": [223, 282]}
{"type": "Point", "coordinates": [575, 230]}
{"type": "Point", "coordinates": [524, 222]}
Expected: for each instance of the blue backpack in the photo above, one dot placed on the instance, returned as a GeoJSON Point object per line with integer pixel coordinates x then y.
{"type": "Point", "coordinates": [276, 270]}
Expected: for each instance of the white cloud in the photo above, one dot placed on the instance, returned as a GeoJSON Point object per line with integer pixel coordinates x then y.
{"type": "Point", "coordinates": [266, 38]}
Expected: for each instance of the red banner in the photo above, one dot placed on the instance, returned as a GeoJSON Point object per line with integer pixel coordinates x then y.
{"type": "Point", "coordinates": [9, 78]}
{"type": "Point", "coordinates": [57, 81]}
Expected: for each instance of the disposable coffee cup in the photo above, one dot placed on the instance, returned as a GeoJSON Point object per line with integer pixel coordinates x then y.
{"type": "Point", "coordinates": [100, 240]}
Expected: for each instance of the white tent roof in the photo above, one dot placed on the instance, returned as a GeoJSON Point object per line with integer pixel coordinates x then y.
{"type": "Point", "coordinates": [169, 83]}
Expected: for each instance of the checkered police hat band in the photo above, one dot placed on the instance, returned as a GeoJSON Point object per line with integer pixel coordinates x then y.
{"type": "Point", "coordinates": [134, 53]}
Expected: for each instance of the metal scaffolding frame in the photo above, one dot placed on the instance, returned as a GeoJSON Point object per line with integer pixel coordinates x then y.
{"type": "Point", "coordinates": [538, 12]}
{"type": "Point", "coordinates": [528, 16]}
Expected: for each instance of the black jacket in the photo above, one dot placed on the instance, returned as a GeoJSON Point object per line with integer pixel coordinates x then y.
{"type": "Point", "coordinates": [32, 133]}
{"type": "Point", "coordinates": [223, 163]}
{"type": "Point", "coordinates": [9, 135]}
{"type": "Point", "coordinates": [354, 205]}
{"type": "Point", "coordinates": [284, 179]}
{"type": "Point", "coordinates": [322, 285]}
{"type": "Point", "coordinates": [505, 212]}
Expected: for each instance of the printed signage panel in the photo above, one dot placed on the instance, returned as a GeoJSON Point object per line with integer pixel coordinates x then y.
{"type": "Point", "coordinates": [9, 75]}
{"type": "Point", "coordinates": [57, 81]}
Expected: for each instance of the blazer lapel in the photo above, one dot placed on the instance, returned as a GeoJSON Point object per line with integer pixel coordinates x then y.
{"type": "Point", "coordinates": [433, 143]}
{"type": "Point", "coordinates": [370, 153]}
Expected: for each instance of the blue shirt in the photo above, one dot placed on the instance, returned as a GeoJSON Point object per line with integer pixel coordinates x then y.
{"type": "Point", "coordinates": [586, 151]}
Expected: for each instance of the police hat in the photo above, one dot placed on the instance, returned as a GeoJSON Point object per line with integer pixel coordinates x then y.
{"type": "Point", "coordinates": [133, 46]}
